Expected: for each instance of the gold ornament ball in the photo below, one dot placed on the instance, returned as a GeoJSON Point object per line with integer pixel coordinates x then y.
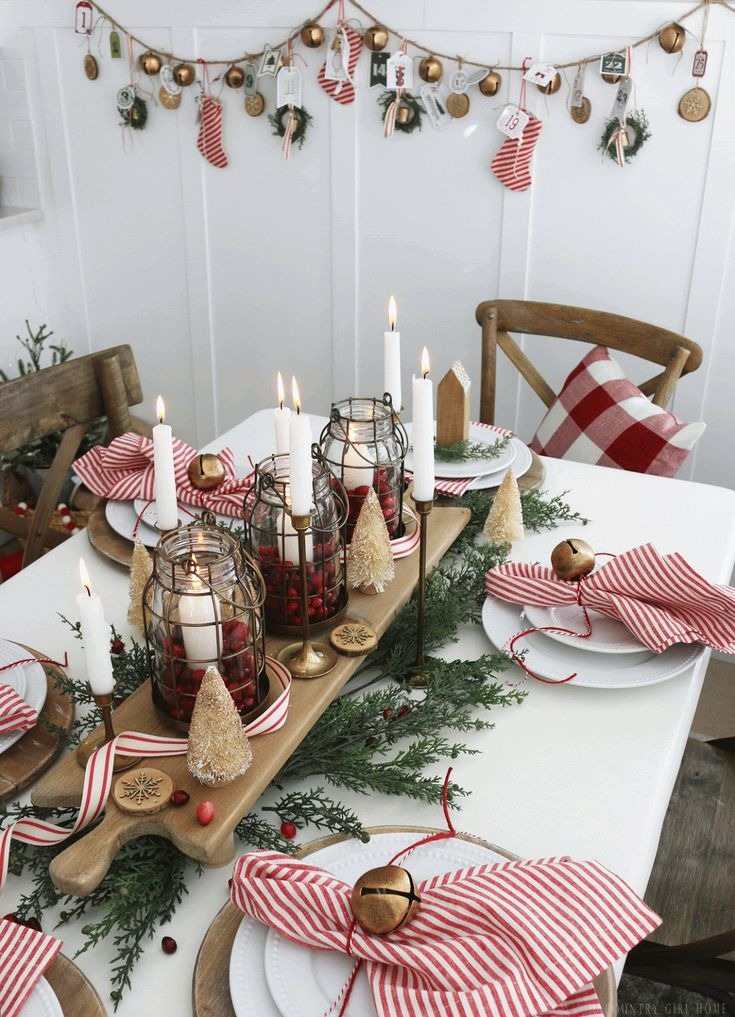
{"type": "Point", "coordinates": [572, 559]}
{"type": "Point", "coordinates": [206, 471]}
{"type": "Point", "coordinates": [312, 35]}
{"type": "Point", "coordinates": [671, 39]}
{"type": "Point", "coordinates": [234, 76]}
{"type": "Point", "coordinates": [431, 69]}
{"type": "Point", "coordinates": [384, 899]}
{"type": "Point", "coordinates": [150, 63]}
{"type": "Point", "coordinates": [405, 114]}
{"type": "Point", "coordinates": [611, 79]}
{"type": "Point", "coordinates": [184, 74]}
{"type": "Point", "coordinates": [553, 86]}
{"type": "Point", "coordinates": [490, 84]}
{"type": "Point", "coordinates": [376, 38]}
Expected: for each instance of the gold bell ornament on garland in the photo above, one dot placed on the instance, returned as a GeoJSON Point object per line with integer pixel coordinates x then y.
{"type": "Point", "coordinates": [184, 75]}
{"type": "Point", "coordinates": [206, 471]}
{"type": "Point", "coordinates": [384, 899]}
{"type": "Point", "coordinates": [150, 63]}
{"type": "Point", "coordinates": [671, 39]}
{"type": "Point", "coordinates": [553, 86]}
{"type": "Point", "coordinates": [312, 35]}
{"type": "Point", "coordinates": [431, 69]}
{"type": "Point", "coordinates": [572, 559]}
{"type": "Point", "coordinates": [376, 38]}
{"type": "Point", "coordinates": [490, 84]}
{"type": "Point", "coordinates": [234, 76]}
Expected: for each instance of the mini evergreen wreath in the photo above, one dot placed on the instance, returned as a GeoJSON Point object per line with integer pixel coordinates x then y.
{"type": "Point", "coordinates": [409, 102]}
{"type": "Point", "coordinates": [279, 119]}
{"type": "Point", "coordinates": [636, 125]}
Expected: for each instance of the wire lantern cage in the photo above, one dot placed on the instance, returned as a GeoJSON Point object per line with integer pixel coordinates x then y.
{"type": "Point", "coordinates": [202, 606]}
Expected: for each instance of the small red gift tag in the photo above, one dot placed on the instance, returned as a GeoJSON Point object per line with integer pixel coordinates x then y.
{"type": "Point", "coordinates": [83, 18]}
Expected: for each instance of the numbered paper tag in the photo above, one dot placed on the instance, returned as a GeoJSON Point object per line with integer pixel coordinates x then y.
{"type": "Point", "coordinates": [335, 66]}
{"type": "Point", "coordinates": [540, 74]}
{"type": "Point", "coordinates": [125, 98]}
{"type": "Point", "coordinates": [622, 98]}
{"type": "Point", "coordinates": [699, 65]}
{"type": "Point", "coordinates": [270, 63]}
{"type": "Point", "coordinates": [288, 87]}
{"type": "Point", "coordinates": [512, 121]}
{"type": "Point", "coordinates": [613, 63]}
{"type": "Point", "coordinates": [399, 71]}
{"type": "Point", "coordinates": [251, 79]}
{"type": "Point", "coordinates": [115, 47]}
{"type": "Point", "coordinates": [578, 88]}
{"type": "Point", "coordinates": [83, 18]}
{"type": "Point", "coordinates": [378, 68]}
{"type": "Point", "coordinates": [433, 99]}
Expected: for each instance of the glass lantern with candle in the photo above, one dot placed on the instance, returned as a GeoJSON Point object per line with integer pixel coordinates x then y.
{"type": "Point", "coordinates": [364, 444]}
{"type": "Point", "coordinates": [202, 606]}
{"type": "Point", "coordinates": [273, 543]}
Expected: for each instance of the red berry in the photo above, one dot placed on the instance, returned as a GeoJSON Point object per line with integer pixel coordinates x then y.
{"type": "Point", "coordinates": [179, 797]}
{"type": "Point", "coordinates": [404, 710]}
{"type": "Point", "coordinates": [169, 944]}
{"type": "Point", "coordinates": [117, 646]}
{"type": "Point", "coordinates": [288, 829]}
{"type": "Point", "coordinates": [387, 713]}
{"type": "Point", "coordinates": [205, 813]}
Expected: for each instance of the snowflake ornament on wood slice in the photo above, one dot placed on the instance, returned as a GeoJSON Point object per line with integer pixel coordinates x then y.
{"type": "Point", "coordinates": [143, 791]}
{"type": "Point", "coordinates": [371, 556]}
{"type": "Point", "coordinates": [353, 638]}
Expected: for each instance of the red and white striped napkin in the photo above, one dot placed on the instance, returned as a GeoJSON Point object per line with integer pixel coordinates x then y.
{"type": "Point", "coordinates": [24, 956]}
{"type": "Point", "coordinates": [511, 939]}
{"type": "Point", "coordinates": [124, 470]}
{"type": "Point", "coordinates": [660, 598]}
{"type": "Point", "coordinates": [456, 488]}
{"type": "Point", "coordinates": [15, 715]}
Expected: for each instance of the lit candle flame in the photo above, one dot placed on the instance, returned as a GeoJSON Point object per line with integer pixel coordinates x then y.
{"type": "Point", "coordinates": [392, 313]}
{"type": "Point", "coordinates": [295, 397]}
{"type": "Point", "coordinates": [84, 576]}
{"type": "Point", "coordinates": [160, 409]}
{"type": "Point", "coordinates": [281, 393]}
{"type": "Point", "coordinates": [425, 365]}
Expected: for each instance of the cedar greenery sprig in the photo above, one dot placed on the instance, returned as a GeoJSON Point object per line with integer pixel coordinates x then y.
{"type": "Point", "coordinates": [467, 451]}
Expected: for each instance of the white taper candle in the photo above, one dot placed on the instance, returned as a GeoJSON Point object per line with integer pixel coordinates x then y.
{"type": "Point", "coordinates": [392, 357]}
{"type": "Point", "coordinates": [167, 511]}
{"type": "Point", "coordinates": [422, 433]}
{"type": "Point", "coordinates": [95, 637]}
{"type": "Point", "coordinates": [300, 475]}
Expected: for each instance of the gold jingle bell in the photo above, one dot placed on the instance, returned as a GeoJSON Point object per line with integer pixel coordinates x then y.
{"type": "Point", "coordinates": [431, 69]}
{"type": "Point", "coordinates": [384, 899]}
{"type": "Point", "coordinates": [150, 63]}
{"type": "Point", "coordinates": [184, 74]}
{"type": "Point", "coordinates": [572, 559]}
{"type": "Point", "coordinates": [205, 471]}
{"type": "Point", "coordinates": [611, 79]}
{"type": "Point", "coordinates": [671, 39]}
{"type": "Point", "coordinates": [490, 84]}
{"type": "Point", "coordinates": [553, 86]}
{"type": "Point", "coordinates": [312, 35]}
{"type": "Point", "coordinates": [405, 114]}
{"type": "Point", "coordinates": [376, 38]}
{"type": "Point", "coordinates": [234, 76]}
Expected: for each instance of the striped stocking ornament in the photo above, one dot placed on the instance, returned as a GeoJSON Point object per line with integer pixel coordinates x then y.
{"type": "Point", "coordinates": [209, 140]}
{"type": "Point", "coordinates": [343, 91]}
{"type": "Point", "coordinates": [512, 163]}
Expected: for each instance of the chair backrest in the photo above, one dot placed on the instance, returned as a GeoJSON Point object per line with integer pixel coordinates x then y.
{"type": "Point", "coordinates": [676, 354]}
{"type": "Point", "coordinates": [67, 398]}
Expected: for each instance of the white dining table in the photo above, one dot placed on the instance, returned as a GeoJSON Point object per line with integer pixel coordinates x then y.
{"type": "Point", "coordinates": [571, 770]}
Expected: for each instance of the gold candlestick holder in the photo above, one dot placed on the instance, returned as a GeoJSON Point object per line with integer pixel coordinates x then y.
{"type": "Point", "coordinates": [306, 659]}
{"type": "Point", "coordinates": [418, 676]}
{"type": "Point", "coordinates": [84, 751]}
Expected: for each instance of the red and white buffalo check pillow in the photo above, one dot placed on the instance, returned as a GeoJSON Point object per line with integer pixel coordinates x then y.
{"type": "Point", "coordinates": [601, 417]}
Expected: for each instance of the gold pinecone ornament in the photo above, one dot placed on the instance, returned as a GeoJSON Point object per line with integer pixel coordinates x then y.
{"type": "Point", "coordinates": [219, 750]}
{"type": "Point", "coordinates": [371, 556]}
{"type": "Point", "coordinates": [504, 522]}
{"type": "Point", "coordinates": [141, 568]}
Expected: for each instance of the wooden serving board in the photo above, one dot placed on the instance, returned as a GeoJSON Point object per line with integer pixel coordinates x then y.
{"type": "Point", "coordinates": [82, 866]}
{"type": "Point", "coordinates": [38, 748]}
{"type": "Point", "coordinates": [211, 981]}
{"type": "Point", "coordinates": [74, 991]}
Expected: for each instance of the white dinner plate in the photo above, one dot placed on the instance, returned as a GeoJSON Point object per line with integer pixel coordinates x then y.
{"type": "Point", "coordinates": [474, 467]}
{"type": "Point", "coordinates": [42, 1002]}
{"type": "Point", "coordinates": [298, 982]}
{"type": "Point", "coordinates": [122, 517]}
{"type": "Point", "coordinates": [28, 680]}
{"type": "Point", "coordinates": [187, 513]}
{"type": "Point", "coordinates": [521, 464]}
{"type": "Point", "coordinates": [608, 634]}
{"type": "Point", "coordinates": [550, 659]}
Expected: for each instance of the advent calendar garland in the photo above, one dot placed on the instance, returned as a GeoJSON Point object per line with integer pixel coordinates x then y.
{"type": "Point", "coordinates": [416, 87]}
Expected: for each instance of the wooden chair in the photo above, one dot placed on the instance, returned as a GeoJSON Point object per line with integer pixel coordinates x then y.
{"type": "Point", "coordinates": [67, 397]}
{"type": "Point", "coordinates": [676, 354]}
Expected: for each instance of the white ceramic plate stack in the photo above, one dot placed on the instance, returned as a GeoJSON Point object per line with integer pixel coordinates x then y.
{"type": "Point", "coordinates": [42, 1002]}
{"type": "Point", "coordinates": [485, 473]}
{"type": "Point", "coordinates": [125, 516]}
{"type": "Point", "coordinates": [611, 658]}
{"type": "Point", "coordinates": [28, 680]}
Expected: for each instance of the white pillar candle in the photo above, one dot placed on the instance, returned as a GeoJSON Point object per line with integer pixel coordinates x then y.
{"type": "Point", "coordinates": [167, 511]}
{"type": "Point", "coordinates": [95, 636]}
{"type": "Point", "coordinates": [392, 357]}
{"type": "Point", "coordinates": [281, 418]}
{"type": "Point", "coordinates": [200, 616]}
{"type": "Point", "coordinates": [300, 476]}
{"type": "Point", "coordinates": [356, 471]}
{"type": "Point", "coordinates": [422, 433]}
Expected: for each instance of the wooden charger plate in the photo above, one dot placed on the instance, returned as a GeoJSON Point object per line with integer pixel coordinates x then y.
{"type": "Point", "coordinates": [107, 541]}
{"type": "Point", "coordinates": [34, 753]}
{"type": "Point", "coordinates": [74, 991]}
{"type": "Point", "coordinates": [211, 981]}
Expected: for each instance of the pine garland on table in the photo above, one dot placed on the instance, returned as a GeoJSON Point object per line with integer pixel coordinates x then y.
{"type": "Point", "coordinates": [380, 740]}
{"type": "Point", "coordinates": [467, 451]}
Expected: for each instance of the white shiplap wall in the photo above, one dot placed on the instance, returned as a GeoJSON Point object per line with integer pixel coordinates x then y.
{"type": "Point", "coordinates": [220, 278]}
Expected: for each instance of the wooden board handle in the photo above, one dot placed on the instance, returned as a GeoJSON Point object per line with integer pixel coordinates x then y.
{"type": "Point", "coordinates": [84, 864]}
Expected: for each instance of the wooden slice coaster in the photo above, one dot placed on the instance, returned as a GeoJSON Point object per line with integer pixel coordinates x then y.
{"type": "Point", "coordinates": [75, 993]}
{"type": "Point", "coordinates": [143, 792]}
{"type": "Point", "coordinates": [104, 539]}
{"type": "Point", "coordinates": [211, 981]}
{"type": "Point", "coordinates": [34, 753]}
{"type": "Point", "coordinates": [353, 638]}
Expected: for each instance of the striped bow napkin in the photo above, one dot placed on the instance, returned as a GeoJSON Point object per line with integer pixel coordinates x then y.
{"type": "Point", "coordinates": [124, 470]}
{"type": "Point", "coordinates": [660, 598]}
{"type": "Point", "coordinates": [456, 488]}
{"type": "Point", "coordinates": [24, 956]}
{"type": "Point", "coordinates": [511, 939]}
{"type": "Point", "coordinates": [15, 715]}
